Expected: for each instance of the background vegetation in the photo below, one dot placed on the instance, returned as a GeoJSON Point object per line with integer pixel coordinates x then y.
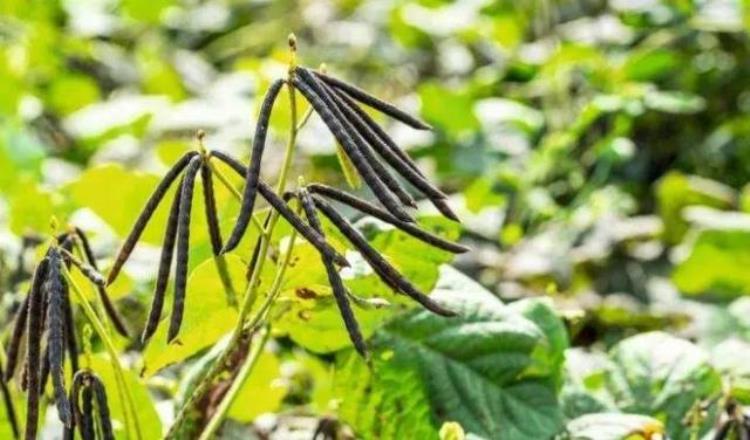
{"type": "Point", "coordinates": [597, 151]}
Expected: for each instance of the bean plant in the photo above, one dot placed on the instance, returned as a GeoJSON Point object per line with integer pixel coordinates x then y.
{"type": "Point", "coordinates": [46, 318]}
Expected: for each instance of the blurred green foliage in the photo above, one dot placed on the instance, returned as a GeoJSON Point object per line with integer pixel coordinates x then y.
{"type": "Point", "coordinates": [597, 151]}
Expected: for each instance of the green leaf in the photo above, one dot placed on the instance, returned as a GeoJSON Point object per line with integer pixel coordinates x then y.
{"type": "Point", "coordinates": [613, 426]}
{"type": "Point", "coordinates": [94, 189]}
{"type": "Point", "coordinates": [450, 110]}
{"type": "Point", "coordinates": [676, 191]}
{"type": "Point", "coordinates": [662, 376]}
{"type": "Point", "coordinates": [425, 366]}
{"type": "Point", "coordinates": [31, 210]}
{"type": "Point", "coordinates": [310, 315]}
{"type": "Point", "coordinates": [717, 264]}
{"type": "Point", "coordinates": [262, 392]}
{"type": "Point", "coordinates": [208, 316]}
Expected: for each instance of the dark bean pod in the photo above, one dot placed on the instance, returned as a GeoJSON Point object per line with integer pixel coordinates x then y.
{"type": "Point", "coordinates": [165, 266]}
{"type": "Point", "coordinates": [368, 208]}
{"type": "Point", "coordinates": [252, 175]}
{"type": "Point", "coordinates": [109, 307]}
{"type": "Point", "coordinates": [145, 215]}
{"type": "Point", "coordinates": [330, 115]}
{"type": "Point", "coordinates": [10, 410]}
{"type": "Point", "coordinates": [374, 102]}
{"type": "Point", "coordinates": [70, 333]}
{"type": "Point", "coordinates": [87, 427]}
{"type": "Point", "coordinates": [337, 284]}
{"type": "Point", "coordinates": [385, 271]}
{"type": "Point", "coordinates": [380, 134]}
{"type": "Point", "coordinates": [56, 287]}
{"type": "Point", "coordinates": [19, 328]}
{"type": "Point", "coordinates": [34, 331]}
{"type": "Point", "coordinates": [209, 203]}
{"type": "Point", "coordinates": [183, 248]}
{"type": "Point", "coordinates": [101, 401]}
{"type": "Point", "coordinates": [350, 123]}
{"type": "Point", "coordinates": [388, 151]}
{"type": "Point", "coordinates": [278, 204]}
{"type": "Point", "coordinates": [86, 270]}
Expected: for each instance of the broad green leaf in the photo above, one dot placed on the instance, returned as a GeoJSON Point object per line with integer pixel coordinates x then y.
{"type": "Point", "coordinates": [613, 426]}
{"type": "Point", "coordinates": [677, 191]}
{"type": "Point", "coordinates": [208, 316]}
{"type": "Point", "coordinates": [662, 376]}
{"type": "Point", "coordinates": [262, 392]}
{"type": "Point", "coordinates": [72, 92]}
{"type": "Point", "coordinates": [31, 210]}
{"type": "Point", "coordinates": [584, 391]}
{"type": "Point", "coordinates": [148, 419]}
{"type": "Point", "coordinates": [717, 264]}
{"type": "Point", "coordinates": [310, 315]}
{"type": "Point", "coordinates": [118, 195]}
{"type": "Point", "coordinates": [425, 366]}
{"type": "Point", "coordinates": [450, 110]}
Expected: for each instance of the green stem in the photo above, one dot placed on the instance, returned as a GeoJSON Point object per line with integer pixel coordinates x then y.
{"type": "Point", "coordinates": [242, 375]}
{"type": "Point", "coordinates": [251, 291]}
{"type": "Point", "coordinates": [122, 388]}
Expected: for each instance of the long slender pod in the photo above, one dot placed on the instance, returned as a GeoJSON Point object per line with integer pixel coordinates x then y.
{"type": "Point", "coordinates": [19, 328]}
{"type": "Point", "coordinates": [376, 103]}
{"type": "Point", "coordinates": [350, 122]}
{"type": "Point", "coordinates": [70, 333]}
{"type": "Point", "coordinates": [385, 271]}
{"type": "Point", "coordinates": [376, 139]}
{"type": "Point", "coordinates": [87, 428]}
{"type": "Point", "coordinates": [56, 334]}
{"type": "Point", "coordinates": [317, 97]}
{"type": "Point", "coordinates": [386, 140]}
{"type": "Point", "coordinates": [34, 332]}
{"type": "Point", "coordinates": [183, 248]}
{"type": "Point", "coordinates": [101, 401]}
{"type": "Point", "coordinates": [280, 206]}
{"type": "Point", "coordinates": [368, 208]}
{"type": "Point", "coordinates": [165, 266]}
{"type": "Point", "coordinates": [145, 215]}
{"type": "Point", "coordinates": [253, 171]}
{"type": "Point", "coordinates": [73, 397]}
{"type": "Point", "coordinates": [10, 410]}
{"type": "Point", "coordinates": [209, 203]}
{"type": "Point", "coordinates": [337, 284]}
{"type": "Point", "coordinates": [109, 307]}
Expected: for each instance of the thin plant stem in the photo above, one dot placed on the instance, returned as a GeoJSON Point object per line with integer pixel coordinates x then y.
{"type": "Point", "coordinates": [242, 375]}
{"type": "Point", "coordinates": [122, 388]}
{"type": "Point", "coordinates": [251, 291]}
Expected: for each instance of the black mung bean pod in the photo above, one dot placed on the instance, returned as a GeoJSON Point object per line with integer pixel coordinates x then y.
{"type": "Point", "coordinates": [337, 284]}
{"type": "Point", "coordinates": [387, 273]}
{"type": "Point", "coordinates": [33, 356]}
{"type": "Point", "coordinates": [148, 211]}
{"type": "Point", "coordinates": [105, 422]}
{"type": "Point", "coordinates": [252, 174]}
{"type": "Point", "coordinates": [368, 208]}
{"type": "Point", "coordinates": [318, 98]}
{"type": "Point", "coordinates": [183, 247]}
{"type": "Point", "coordinates": [388, 150]}
{"type": "Point", "coordinates": [165, 266]}
{"type": "Point", "coordinates": [352, 123]}
{"type": "Point", "coordinates": [278, 204]}
{"type": "Point", "coordinates": [209, 202]}
{"type": "Point", "coordinates": [374, 102]}
{"type": "Point", "coordinates": [19, 328]}
{"type": "Point", "coordinates": [56, 288]}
